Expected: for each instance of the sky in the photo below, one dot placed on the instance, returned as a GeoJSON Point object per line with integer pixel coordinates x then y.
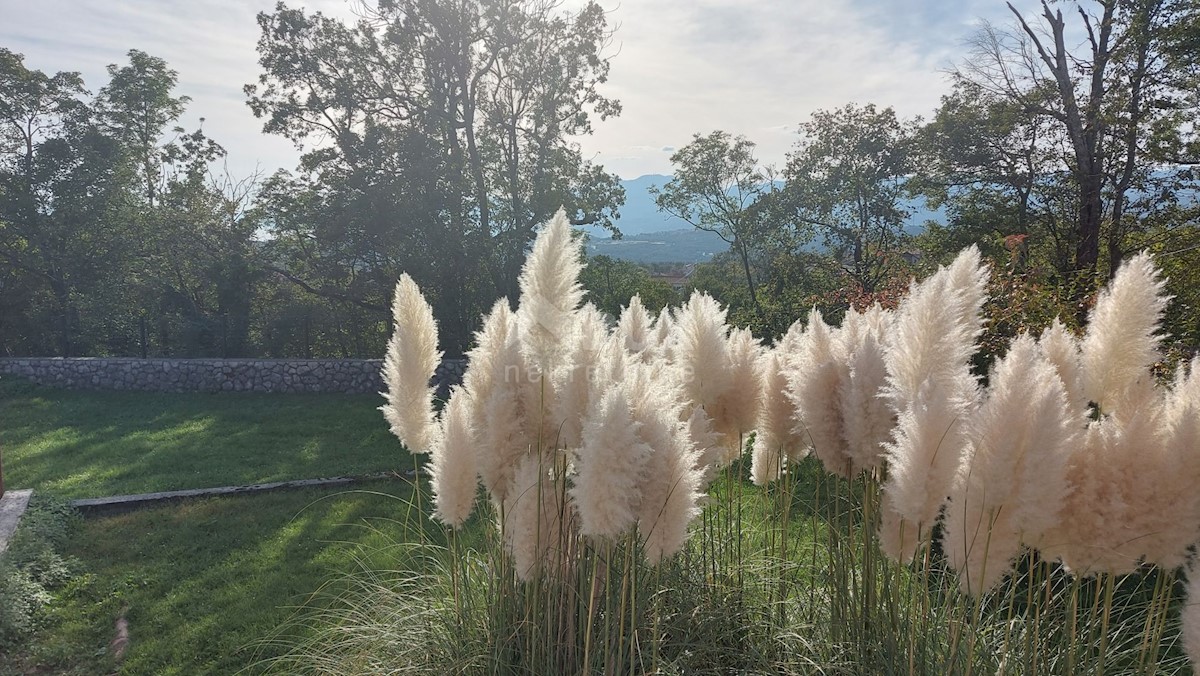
{"type": "Point", "coordinates": [679, 67]}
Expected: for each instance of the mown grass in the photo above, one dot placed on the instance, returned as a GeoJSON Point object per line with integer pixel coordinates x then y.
{"type": "Point", "coordinates": [204, 583]}
{"type": "Point", "coordinates": [94, 444]}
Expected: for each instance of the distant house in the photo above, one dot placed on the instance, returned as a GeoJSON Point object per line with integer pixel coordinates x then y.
{"type": "Point", "coordinates": [677, 279]}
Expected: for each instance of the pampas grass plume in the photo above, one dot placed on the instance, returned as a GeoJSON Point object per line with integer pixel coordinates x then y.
{"type": "Point", "coordinates": [813, 377]}
{"type": "Point", "coordinates": [411, 360]}
{"type": "Point", "coordinates": [452, 462]}
{"type": "Point", "coordinates": [550, 293]}
{"type": "Point", "coordinates": [1012, 481]}
{"type": "Point", "coordinates": [1122, 339]}
{"type": "Point", "coordinates": [775, 442]}
{"type": "Point", "coordinates": [608, 468]}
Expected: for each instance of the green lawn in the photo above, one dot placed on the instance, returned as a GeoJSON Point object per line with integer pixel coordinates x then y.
{"type": "Point", "coordinates": [96, 444]}
{"type": "Point", "coordinates": [207, 581]}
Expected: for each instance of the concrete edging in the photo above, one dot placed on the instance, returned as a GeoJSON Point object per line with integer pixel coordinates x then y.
{"type": "Point", "coordinates": [119, 504]}
{"type": "Point", "coordinates": [12, 507]}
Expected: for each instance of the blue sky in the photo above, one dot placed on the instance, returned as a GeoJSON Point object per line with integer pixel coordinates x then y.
{"type": "Point", "coordinates": [679, 66]}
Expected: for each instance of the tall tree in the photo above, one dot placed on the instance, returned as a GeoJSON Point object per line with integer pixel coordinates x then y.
{"type": "Point", "coordinates": [63, 219]}
{"type": "Point", "coordinates": [716, 183]}
{"type": "Point", "coordinates": [484, 95]}
{"type": "Point", "coordinates": [846, 178]}
{"type": "Point", "coordinates": [1122, 103]}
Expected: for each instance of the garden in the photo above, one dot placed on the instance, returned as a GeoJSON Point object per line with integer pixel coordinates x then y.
{"type": "Point", "coordinates": [652, 495]}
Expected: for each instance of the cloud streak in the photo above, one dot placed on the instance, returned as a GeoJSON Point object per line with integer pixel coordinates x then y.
{"type": "Point", "coordinates": [679, 67]}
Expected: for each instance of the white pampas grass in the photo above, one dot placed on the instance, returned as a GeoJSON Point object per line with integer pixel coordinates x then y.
{"type": "Point", "coordinates": [922, 459]}
{"type": "Point", "coordinates": [813, 376]}
{"type": "Point", "coordinates": [671, 482]}
{"type": "Point", "coordinates": [701, 350]}
{"type": "Point", "coordinates": [1011, 483]}
{"type": "Point", "coordinates": [452, 462]}
{"type": "Point", "coordinates": [574, 384]}
{"type": "Point", "coordinates": [411, 360]}
{"type": "Point", "coordinates": [1061, 349]}
{"type": "Point", "coordinates": [736, 408]}
{"type": "Point", "coordinates": [634, 328]}
{"type": "Point", "coordinates": [502, 428]}
{"type": "Point", "coordinates": [867, 419]}
{"type": "Point", "coordinates": [550, 293]}
{"type": "Point", "coordinates": [609, 468]}
{"type": "Point", "coordinates": [1122, 339]}
{"type": "Point", "coordinates": [534, 515]}
{"type": "Point", "coordinates": [931, 387]}
{"type": "Point", "coordinates": [775, 442]}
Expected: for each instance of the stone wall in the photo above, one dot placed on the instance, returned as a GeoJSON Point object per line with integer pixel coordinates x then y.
{"type": "Point", "coordinates": [214, 375]}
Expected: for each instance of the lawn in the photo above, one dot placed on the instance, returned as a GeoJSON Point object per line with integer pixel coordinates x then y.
{"type": "Point", "coordinates": [205, 583]}
{"type": "Point", "coordinates": [96, 444]}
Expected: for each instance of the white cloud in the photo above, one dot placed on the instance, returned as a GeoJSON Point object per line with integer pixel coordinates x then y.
{"type": "Point", "coordinates": [683, 66]}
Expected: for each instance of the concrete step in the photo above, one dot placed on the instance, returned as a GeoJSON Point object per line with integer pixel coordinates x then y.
{"type": "Point", "coordinates": [12, 506]}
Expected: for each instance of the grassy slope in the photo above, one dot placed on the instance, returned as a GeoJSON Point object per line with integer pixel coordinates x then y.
{"type": "Point", "coordinates": [93, 444]}
{"type": "Point", "coordinates": [206, 582]}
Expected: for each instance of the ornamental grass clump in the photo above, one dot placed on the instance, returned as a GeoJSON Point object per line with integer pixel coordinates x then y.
{"type": "Point", "coordinates": [905, 510]}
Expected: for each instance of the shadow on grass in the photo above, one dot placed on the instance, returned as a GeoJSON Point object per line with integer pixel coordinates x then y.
{"type": "Point", "coordinates": [207, 581]}
{"type": "Point", "coordinates": [95, 444]}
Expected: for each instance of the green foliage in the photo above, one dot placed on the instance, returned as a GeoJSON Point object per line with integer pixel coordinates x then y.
{"type": "Point", "coordinates": [610, 283]}
{"type": "Point", "coordinates": [33, 567]}
{"type": "Point", "coordinates": [846, 180]}
{"type": "Point", "coordinates": [451, 130]}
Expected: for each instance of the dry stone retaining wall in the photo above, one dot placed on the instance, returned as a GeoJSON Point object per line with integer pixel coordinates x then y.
{"type": "Point", "coordinates": [214, 375]}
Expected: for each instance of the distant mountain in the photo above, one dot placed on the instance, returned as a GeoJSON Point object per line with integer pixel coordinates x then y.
{"type": "Point", "coordinates": [673, 246]}
{"type": "Point", "coordinates": [639, 214]}
{"type": "Point", "coordinates": [651, 236]}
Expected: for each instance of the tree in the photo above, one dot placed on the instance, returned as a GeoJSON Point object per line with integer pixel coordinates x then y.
{"type": "Point", "coordinates": [136, 106]}
{"type": "Point", "coordinates": [1122, 105]}
{"type": "Point", "coordinates": [846, 178]}
{"type": "Point", "coordinates": [63, 225]}
{"type": "Point", "coordinates": [716, 183]}
{"type": "Point", "coordinates": [610, 283]}
{"type": "Point", "coordinates": [484, 96]}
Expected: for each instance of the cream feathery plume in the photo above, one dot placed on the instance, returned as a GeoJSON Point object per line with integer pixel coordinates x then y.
{"type": "Point", "coordinates": [411, 360]}
{"type": "Point", "coordinates": [634, 327]}
{"type": "Point", "coordinates": [609, 468]}
{"type": "Point", "coordinates": [1062, 350]}
{"type": "Point", "coordinates": [672, 479]}
{"type": "Point", "coordinates": [1189, 618]}
{"type": "Point", "coordinates": [867, 418]}
{"type": "Point", "coordinates": [503, 429]}
{"type": "Point", "coordinates": [775, 442]}
{"type": "Point", "coordinates": [922, 459]}
{"type": "Point", "coordinates": [452, 462]}
{"type": "Point", "coordinates": [1181, 427]}
{"type": "Point", "coordinates": [550, 294]}
{"type": "Point", "coordinates": [935, 329]}
{"type": "Point", "coordinates": [1012, 481]}
{"type": "Point", "coordinates": [484, 360]}
{"type": "Point", "coordinates": [702, 350]}
{"type": "Point", "coordinates": [574, 384]}
{"type": "Point", "coordinates": [707, 443]}
{"type": "Point", "coordinates": [736, 409]}
{"type": "Point", "coordinates": [930, 385]}
{"type": "Point", "coordinates": [534, 514]}
{"type": "Point", "coordinates": [813, 377]}
{"type": "Point", "coordinates": [1122, 339]}
{"type": "Point", "coordinates": [661, 331]}
{"type": "Point", "coordinates": [1110, 475]}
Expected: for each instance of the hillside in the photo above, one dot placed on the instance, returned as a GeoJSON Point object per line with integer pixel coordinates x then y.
{"type": "Point", "coordinates": [650, 236]}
